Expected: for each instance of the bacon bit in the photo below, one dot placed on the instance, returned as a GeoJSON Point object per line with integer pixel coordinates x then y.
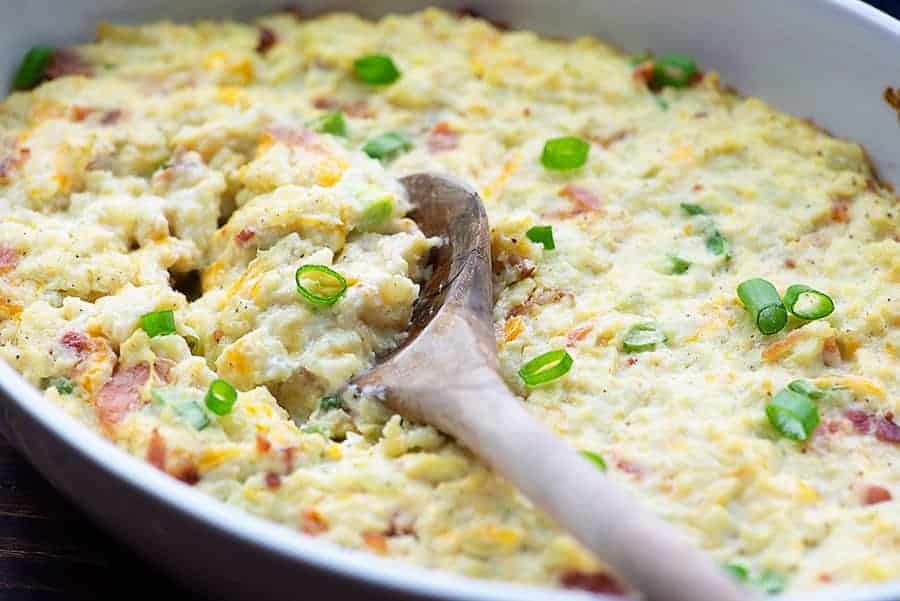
{"type": "Point", "coordinates": [111, 117]}
{"type": "Point", "coordinates": [312, 522]}
{"type": "Point", "coordinates": [325, 104]}
{"type": "Point", "coordinates": [874, 494]}
{"type": "Point", "coordinates": [186, 472]}
{"type": "Point", "coordinates": [359, 109]}
{"type": "Point", "coordinates": [262, 444]}
{"type": "Point", "coordinates": [288, 454]}
{"type": "Point", "coordinates": [442, 138]}
{"type": "Point", "coordinates": [583, 201]}
{"type": "Point", "coordinates": [840, 209]}
{"type": "Point", "coordinates": [886, 430]}
{"type": "Point", "coordinates": [697, 187]}
{"type": "Point", "coordinates": [12, 162]}
{"type": "Point", "coordinates": [273, 480]}
{"type": "Point", "coordinates": [609, 140]}
{"type": "Point", "coordinates": [824, 577]}
{"type": "Point", "coordinates": [375, 541]}
{"type": "Point", "coordinates": [523, 268]}
{"type": "Point", "coordinates": [80, 113]}
{"type": "Point", "coordinates": [644, 73]}
{"type": "Point", "coordinates": [66, 61]}
{"type": "Point", "coordinates": [156, 451]}
{"type": "Point", "coordinates": [862, 421]}
{"type": "Point", "coordinates": [578, 334]}
{"type": "Point", "coordinates": [267, 39]}
{"type": "Point", "coordinates": [121, 393]}
{"type": "Point", "coordinates": [790, 263]}
{"type": "Point", "coordinates": [593, 582]}
{"type": "Point", "coordinates": [632, 361]}
{"type": "Point", "coordinates": [9, 258]}
{"type": "Point", "coordinates": [400, 527]}
{"type": "Point", "coordinates": [76, 342]}
{"type": "Point", "coordinates": [244, 235]}
{"type": "Point", "coordinates": [831, 354]}
{"type": "Point", "coordinates": [526, 112]}
{"type": "Point", "coordinates": [832, 426]}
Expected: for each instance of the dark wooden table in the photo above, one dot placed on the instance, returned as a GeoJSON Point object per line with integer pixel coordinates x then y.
{"type": "Point", "coordinates": [49, 550]}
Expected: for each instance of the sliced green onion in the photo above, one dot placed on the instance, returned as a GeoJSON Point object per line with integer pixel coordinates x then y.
{"type": "Point", "coordinates": [794, 415]}
{"type": "Point", "coordinates": [737, 571]}
{"type": "Point", "coordinates": [32, 68]}
{"type": "Point", "coordinates": [163, 396]}
{"type": "Point", "coordinates": [331, 123]}
{"type": "Point", "coordinates": [387, 146]}
{"type": "Point", "coordinates": [770, 582]}
{"type": "Point", "coordinates": [542, 234]}
{"type": "Point", "coordinates": [564, 154]}
{"type": "Point", "coordinates": [677, 265]}
{"type": "Point", "coordinates": [676, 70]}
{"type": "Point", "coordinates": [805, 387]}
{"type": "Point", "coordinates": [660, 102]}
{"type": "Point", "coordinates": [194, 344]}
{"type": "Point", "coordinates": [761, 300]}
{"type": "Point", "coordinates": [376, 213]}
{"type": "Point", "coordinates": [330, 402]}
{"type": "Point", "coordinates": [158, 323]}
{"type": "Point", "coordinates": [595, 458]}
{"type": "Point", "coordinates": [193, 413]}
{"type": "Point", "coordinates": [333, 290]}
{"type": "Point", "coordinates": [63, 385]}
{"type": "Point", "coordinates": [692, 209]}
{"type": "Point", "coordinates": [717, 244]}
{"type": "Point", "coordinates": [546, 368]}
{"type": "Point", "coordinates": [220, 397]}
{"type": "Point", "coordinates": [643, 337]}
{"type": "Point", "coordinates": [807, 303]}
{"type": "Point", "coordinates": [376, 69]}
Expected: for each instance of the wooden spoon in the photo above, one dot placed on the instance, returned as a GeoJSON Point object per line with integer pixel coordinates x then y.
{"type": "Point", "coordinates": [446, 374]}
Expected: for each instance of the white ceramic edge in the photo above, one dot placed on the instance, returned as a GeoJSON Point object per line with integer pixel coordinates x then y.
{"type": "Point", "coordinates": [380, 572]}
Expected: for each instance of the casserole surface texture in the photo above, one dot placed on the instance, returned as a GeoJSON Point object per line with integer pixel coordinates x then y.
{"type": "Point", "coordinates": [183, 167]}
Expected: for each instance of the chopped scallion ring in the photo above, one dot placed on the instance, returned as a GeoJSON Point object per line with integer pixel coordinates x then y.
{"type": "Point", "coordinates": [643, 337]}
{"type": "Point", "coordinates": [807, 303]}
{"type": "Point", "coordinates": [770, 582]}
{"type": "Point", "coordinates": [761, 300]}
{"type": "Point", "coordinates": [32, 68]}
{"type": "Point", "coordinates": [595, 458]}
{"type": "Point", "coordinates": [376, 69]}
{"type": "Point", "coordinates": [194, 344]}
{"type": "Point", "coordinates": [331, 283]}
{"type": "Point", "coordinates": [546, 368]}
{"type": "Point", "coordinates": [376, 213]}
{"type": "Point", "coordinates": [676, 70]}
{"type": "Point", "coordinates": [158, 323]}
{"type": "Point", "coordinates": [220, 397]}
{"type": "Point", "coordinates": [565, 154]}
{"type": "Point", "coordinates": [677, 265]}
{"type": "Point", "coordinates": [718, 245]}
{"type": "Point", "coordinates": [807, 388]}
{"type": "Point", "coordinates": [794, 415]}
{"type": "Point", "coordinates": [542, 234]}
{"type": "Point", "coordinates": [330, 402]}
{"type": "Point", "coordinates": [737, 571]}
{"type": "Point", "coordinates": [387, 146]}
{"type": "Point", "coordinates": [193, 413]}
{"type": "Point", "coordinates": [692, 209]}
{"type": "Point", "coordinates": [331, 123]}
{"type": "Point", "coordinates": [63, 385]}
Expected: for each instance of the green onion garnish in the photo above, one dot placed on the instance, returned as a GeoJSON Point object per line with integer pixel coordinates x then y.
{"type": "Point", "coordinates": [331, 123]}
{"type": "Point", "coordinates": [330, 402]}
{"type": "Point", "coordinates": [220, 397]}
{"type": "Point", "coordinates": [32, 68]}
{"type": "Point", "coordinates": [387, 146]}
{"type": "Point", "coordinates": [805, 387]}
{"type": "Point", "coordinates": [807, 303]}
{"type": "Point", "coordinates": [737, 571]}
{"type": "Point", "coordinates": [546, 368]}
{"type": "Point", "coordinates": [717, 244]}
{"type": "Point", "coordinates": [692, 209]}
{"type": "Point", "coordinates": [770, 582]}
{"type": "Point", "coordinates": [677, 265]}
{"type": "Point", "coordinates": [334, 284]}
{"type": "Point", "coordinates": [660, 102]}
{"type": "Point", "coordinates": [376, 69]}
{"type": "Point", "coordinates": [193, 413]}
{"type": "Point", "coordinates": [595, 458]}
{"type": "Point", "coordinates": [793, 414]}
{"type": "Point", "coordinates": [376, 213]}
{"type": "Point", "coordinates": [194, 344]}
{"type": "Point", "coordinates": [676, 70]}
{"type": "Point", "coordinates": [63, 385]}
{"type": "Point", "coordinates": [761, 299]}
{"type": "Point", "coordinates": [158, 323]}
{"type": "Point", "coordinates": [564, 154]}
{"type": "Point", "coordinates": [643, 337]}
{"type": "Point", "coordinates": [542, 234]}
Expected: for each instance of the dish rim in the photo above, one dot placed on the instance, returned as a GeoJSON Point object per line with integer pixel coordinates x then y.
{"type": "Point", "coordinates": [396, 574]}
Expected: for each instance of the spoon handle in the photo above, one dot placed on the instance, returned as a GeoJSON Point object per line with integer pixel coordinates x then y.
{"type": "Point", "coordinates": [473, 404]}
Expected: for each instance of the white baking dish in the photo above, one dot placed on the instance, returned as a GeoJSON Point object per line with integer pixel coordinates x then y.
{"type": "Point", "coordinates": [827, 59]}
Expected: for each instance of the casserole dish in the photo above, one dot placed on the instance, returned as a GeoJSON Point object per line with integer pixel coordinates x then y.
{"type": "Point", "coordinates": [529, 15]}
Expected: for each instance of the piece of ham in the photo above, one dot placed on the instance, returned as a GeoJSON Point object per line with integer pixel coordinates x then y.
{"type": "Point", "coordinates": [592, 582]}
{"type": "Point", "coordinates": [9, 258]}
{"type": "Point", "coordinates": [874, 494]}
{"type": "Point", "coordinates": [121, 393]}
{"type": "Point", "coordinates": [267, 39]}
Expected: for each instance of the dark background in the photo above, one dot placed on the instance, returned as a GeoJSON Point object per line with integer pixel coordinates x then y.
{"type": "Point", "coordinates": [49, 551]}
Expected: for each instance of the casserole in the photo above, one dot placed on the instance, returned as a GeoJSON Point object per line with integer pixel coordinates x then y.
{"type": "Point", "coordinates": [888, 166]}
